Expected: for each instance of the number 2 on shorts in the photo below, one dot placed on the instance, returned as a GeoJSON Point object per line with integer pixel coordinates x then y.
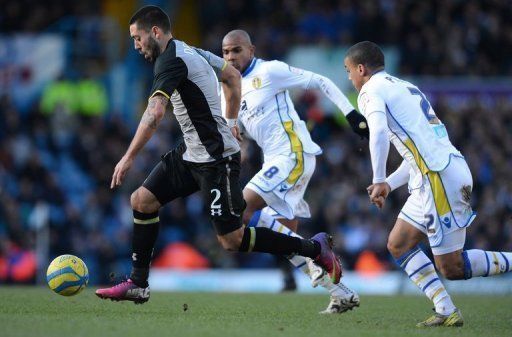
{"type": "Point", "coordinates": [214, 207]}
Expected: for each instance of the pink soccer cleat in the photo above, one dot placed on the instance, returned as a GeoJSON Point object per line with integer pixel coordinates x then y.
{"type": "Point", "coordinates": [327, 259]}
{"type": "Point", "coordinates": [125, 291]}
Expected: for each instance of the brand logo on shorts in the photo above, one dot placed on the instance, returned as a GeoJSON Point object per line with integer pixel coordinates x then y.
{"type": "Point", "coordinates": [283, 187]}
{"type": "Point", "coordinates": [216, 212]}
{"type": "Point", "coordinates": [447, 222]}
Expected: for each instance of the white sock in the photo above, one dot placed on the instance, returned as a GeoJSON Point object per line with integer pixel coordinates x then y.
{"type": "Point", "coordinates": [485, 263]}
{"type": "Point", "coordinates": [339, 290]}
{"type": "Point", "coordinates": [421, 271]}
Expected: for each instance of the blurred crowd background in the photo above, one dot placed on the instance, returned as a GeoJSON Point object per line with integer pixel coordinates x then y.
{"type": "Point", "coordinates": [60, 141]}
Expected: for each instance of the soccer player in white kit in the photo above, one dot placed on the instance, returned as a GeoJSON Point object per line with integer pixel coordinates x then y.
{"type": "Point", "coordinates": [438, 178]}
{"type": "Point", "coordinates": [275, 194]}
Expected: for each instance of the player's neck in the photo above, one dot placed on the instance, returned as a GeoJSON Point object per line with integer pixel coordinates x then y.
{"type": "Point", "coordinates": [247, 65]}
{"type": "Point", "coordinates": [165, 42]}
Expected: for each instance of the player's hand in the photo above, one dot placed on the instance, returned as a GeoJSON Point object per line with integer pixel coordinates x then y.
{"type": "Point", "coordinates": [378, 193]}
{"type": "Point", "coordinates": [120, 171]}
{"type": "Point", "coordinates": [235, 131]}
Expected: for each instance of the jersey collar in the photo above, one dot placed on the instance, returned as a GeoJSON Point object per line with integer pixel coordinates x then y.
{"type": "Point", "coordinates": [249, 68]}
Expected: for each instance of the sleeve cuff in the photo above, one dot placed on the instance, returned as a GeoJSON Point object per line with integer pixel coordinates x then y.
{"type": "Point", "coordinates": [161, 93]}
{"type": "Point", "coordinates": [379, 180]}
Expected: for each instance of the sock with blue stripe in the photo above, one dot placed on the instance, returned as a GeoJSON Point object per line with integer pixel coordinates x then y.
{"type": "Point", "coordinates": [421, 272]}
{"type": "Point", "coordinates": [263, 219]}
{"type": "Point", "coordinates": [485, 263]}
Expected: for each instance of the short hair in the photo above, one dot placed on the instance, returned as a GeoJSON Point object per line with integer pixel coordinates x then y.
{"type": "Point", "coordinates": [150, 16]}
{"type": "Point", "coordinates": [366, 53]}
{"type": "Point", "coordinates": [239, 33]}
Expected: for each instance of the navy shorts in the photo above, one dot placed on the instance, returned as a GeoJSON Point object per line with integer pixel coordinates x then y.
{"type": "Point", "coordinates": [218, 181]}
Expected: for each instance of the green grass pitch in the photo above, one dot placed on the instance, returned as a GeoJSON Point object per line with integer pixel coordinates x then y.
{"type": "Point", "coordinates": [31, 311]}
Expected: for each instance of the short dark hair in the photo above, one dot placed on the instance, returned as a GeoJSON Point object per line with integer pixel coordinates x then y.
{"type": "Point", "coordinates": [366, 53]}
{"type": "Point", "coordinates": [150, 16]}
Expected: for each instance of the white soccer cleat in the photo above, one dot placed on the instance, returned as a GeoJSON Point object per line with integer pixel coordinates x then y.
{"type": "Point", "coordinates": [342, 300]}
{"type": "Point", "coordinates": [316, 273]}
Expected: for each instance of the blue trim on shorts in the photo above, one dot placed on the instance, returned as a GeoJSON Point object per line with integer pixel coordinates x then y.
{"type": "Point", "coordinates": [468, 271]}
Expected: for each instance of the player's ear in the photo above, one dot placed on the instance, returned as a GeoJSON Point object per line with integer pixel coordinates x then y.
{"type": "Point", "coordinates": [156, 31]}
{"type": "Point", "coordinates": [361, 69]}
{"type": "Point", "coordinates": [252, 48]}
{"type": "Point", "coordinates": [364, 70]}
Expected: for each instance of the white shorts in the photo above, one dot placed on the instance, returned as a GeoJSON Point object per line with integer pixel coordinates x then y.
{"type": "Point", "coordinates": [282, 181]}
{"type": "Point", "coordinates": [441, 208]}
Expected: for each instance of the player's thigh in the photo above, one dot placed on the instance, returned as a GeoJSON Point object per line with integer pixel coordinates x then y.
{"type": "Point", "coordinates": [282, 182]}
{"type": "Point", "coordinates": [171, 178]}
{"type": "Point", "coordinates": [446, 199]}
{"type": "Point", "coordinates": [220, 185]}
{"type": "Point", "coordinates": [253, 199]}
{"type": "Point", "coordinates": [450, 191]}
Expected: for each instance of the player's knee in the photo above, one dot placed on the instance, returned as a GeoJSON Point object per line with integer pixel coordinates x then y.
{"type": "Point", "coordinates": [394, 248]}
{"type": "Point", "coordinates": [143, 201]}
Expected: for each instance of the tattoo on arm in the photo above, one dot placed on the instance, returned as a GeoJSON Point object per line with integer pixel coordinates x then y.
{"type": "Point", "coordinates": [155, 111]}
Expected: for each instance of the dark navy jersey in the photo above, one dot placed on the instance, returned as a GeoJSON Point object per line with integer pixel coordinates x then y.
{"type": "Point", "coordinates": [190, 83]}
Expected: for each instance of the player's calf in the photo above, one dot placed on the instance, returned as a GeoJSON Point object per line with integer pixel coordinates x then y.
{"type": "Point", "coordinates": [450, 265]}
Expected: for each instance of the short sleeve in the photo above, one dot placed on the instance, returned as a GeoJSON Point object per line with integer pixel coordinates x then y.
{"type": "Point", "coordinates": [168, 76]}
{"type": "Point", "coordinates": [287, 77]}
{"type": "Point", "coordinates": [212, 59]}
{"type": "Point", "coordinates": [369, 102]}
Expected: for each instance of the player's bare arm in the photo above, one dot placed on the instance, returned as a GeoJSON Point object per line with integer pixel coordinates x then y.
{"type": "Point", "coordinates": [232, 87]}
{"type": "Point", "coordinates": [152, 116]}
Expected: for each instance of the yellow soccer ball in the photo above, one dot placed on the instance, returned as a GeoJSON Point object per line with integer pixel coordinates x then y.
{"type": "Point", "coordinates": [67, 275]}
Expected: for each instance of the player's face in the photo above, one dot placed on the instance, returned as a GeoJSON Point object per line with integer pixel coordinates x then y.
{"type": "Point", "coordinates": [237, 54]}
{"type": "Point", "coordinates": [144, 43]}
{"type": "Point", "coordinates": [355, 73]}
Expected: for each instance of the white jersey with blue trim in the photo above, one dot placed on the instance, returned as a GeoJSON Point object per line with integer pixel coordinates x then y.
{"type": "Point", "coordinates": [413, 127]}
{"type": "Point", "coordinates": [267, 113]}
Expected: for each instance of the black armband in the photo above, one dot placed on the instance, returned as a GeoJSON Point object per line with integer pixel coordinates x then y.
{"type": "Point", "coordinates": [358, 124]}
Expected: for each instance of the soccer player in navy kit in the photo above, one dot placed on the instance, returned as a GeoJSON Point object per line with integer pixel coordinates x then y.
{"type": "Point", "coordinates": [208, 160]}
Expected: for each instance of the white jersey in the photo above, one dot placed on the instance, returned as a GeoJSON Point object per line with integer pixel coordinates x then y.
{"type": "Point", "coordinates": [425, 146]}
{"type": "Point", "coordinates": [267, 113]}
